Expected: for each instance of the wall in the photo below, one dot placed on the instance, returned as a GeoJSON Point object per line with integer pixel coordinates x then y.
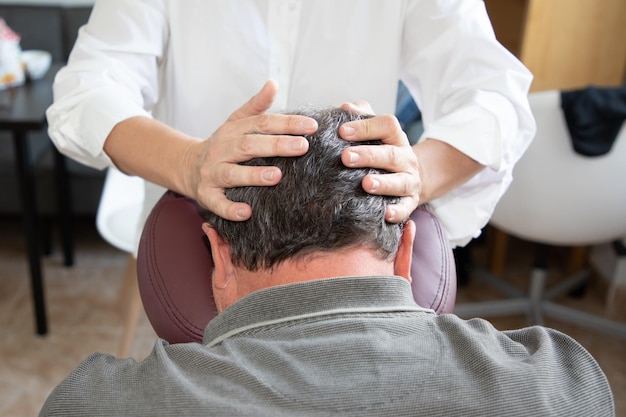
{"type": "Point", "coordinates": [567, 44]}
{"type": "Point", "coordinates": [52, 26]}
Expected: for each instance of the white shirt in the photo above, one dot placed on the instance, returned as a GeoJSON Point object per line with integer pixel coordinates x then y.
{"type": "Point", "coordinates": [191, 63]}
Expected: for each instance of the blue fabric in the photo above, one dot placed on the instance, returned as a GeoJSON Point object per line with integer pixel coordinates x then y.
{"type": "Point", "coordinates": [407, 111]}
{"type": "Point", "coordinates": [594, 117]}
{"type": "Point", "coordinates": [408, 114]}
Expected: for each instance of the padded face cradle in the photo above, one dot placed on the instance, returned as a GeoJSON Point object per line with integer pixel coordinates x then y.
{"type": "Point", "coordinates": [174, 269]}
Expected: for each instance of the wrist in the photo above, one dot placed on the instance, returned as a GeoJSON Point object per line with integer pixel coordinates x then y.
{"type": "Point", "coordinates": [188, 173]}
{"type": "Point", "coordinates": [150, 149]}
{"type": "Point", "coordinates": [442, 168]}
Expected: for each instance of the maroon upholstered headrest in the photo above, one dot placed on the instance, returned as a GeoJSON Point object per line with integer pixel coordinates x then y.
{"type": "Point", "coordinates": [174, 269]}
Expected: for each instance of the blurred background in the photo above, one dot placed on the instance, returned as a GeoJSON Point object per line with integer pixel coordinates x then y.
{"type": "Point", "coordinates": [567, 44]}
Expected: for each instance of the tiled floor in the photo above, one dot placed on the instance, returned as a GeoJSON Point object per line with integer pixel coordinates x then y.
{"type": "Point", "coordinates": [85, 314]}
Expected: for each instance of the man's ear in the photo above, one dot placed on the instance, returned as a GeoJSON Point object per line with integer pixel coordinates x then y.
{"type": "Point", "coordinates": [222, 263]}
{"type": "Point", "coordinates": [404, 256]}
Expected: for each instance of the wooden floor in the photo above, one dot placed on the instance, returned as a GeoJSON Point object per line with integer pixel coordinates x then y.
{"type": "Point", "coordinates": [85, 311]}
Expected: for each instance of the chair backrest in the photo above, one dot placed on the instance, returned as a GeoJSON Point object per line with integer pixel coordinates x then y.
{"type": "Point", "coordinates": [174, 269]}
{"type": "Point", "coordinates": [559, 196]}
{"type": "Point", "coordinates": [119, 210]}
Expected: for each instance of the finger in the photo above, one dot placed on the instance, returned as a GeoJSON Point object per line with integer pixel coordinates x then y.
{"type": "Point", "coordinates": [234, 175]}
{"type": "Point", "coordinates": [258, 146]}
{"type": "Point", "coordinates": [385, 128]}
{"type": "Point", "coordinates": [259, 103]}
{"type": "Point", "coordinates": [388, 157]}
{"type": "Point", "coordinates": [223, 207]}
{"type": "Point", "coordinates": [399, 184]}
{"type": "Point", "coordinates": [279, 124]}
{"type": "Point", "coordinates": [358, 107]}
{"type": "Point", "coordinates": [395, 213]}
{"type": "Point", "coordinates": [246, 147]}
{"type": "Point", "coordinates": [244, 130]}
{"type": "Point", "coordinates": [402, 185]}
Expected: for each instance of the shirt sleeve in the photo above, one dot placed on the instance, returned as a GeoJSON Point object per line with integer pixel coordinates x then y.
{"type": "Point", "coordinates": [473, 95]}
{"type": "Point", "coordinates": [111, 75]}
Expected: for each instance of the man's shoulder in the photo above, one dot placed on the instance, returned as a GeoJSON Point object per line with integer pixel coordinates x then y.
{"type": "Point", "coordinates": [534, 343]}
{"type": "Point", "coordinates": [100, 382]}
{"type": "Point", "coordinates": [525, 365]}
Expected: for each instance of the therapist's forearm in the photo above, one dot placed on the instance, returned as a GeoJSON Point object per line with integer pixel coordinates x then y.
{"type": "Point", "coordinates": [150, 149]}
{"type": "Point", "coordinates": [442, 168]}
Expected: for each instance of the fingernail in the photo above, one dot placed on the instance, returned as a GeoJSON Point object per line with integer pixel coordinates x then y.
{"type": "Point", "coordinates": [348, 130]}
{"type": "Point", "coordinates": [295, 144]}
{"type": "Point", "coordinates": [268, 175]}
{"type": "Point", "coordinates": [375, 185]}
{"type": "Point", "coordinates": [354, 157]}
{"type": "Point", "coordinates": [391, 214]}
{"type": "Point", "coordinates": [240, 213]}
{"type": "Point", "coordinates": [308, 124]}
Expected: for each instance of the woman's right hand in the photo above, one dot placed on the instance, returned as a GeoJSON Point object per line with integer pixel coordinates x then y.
{"type": "Point", "coordinates": [250, 132]}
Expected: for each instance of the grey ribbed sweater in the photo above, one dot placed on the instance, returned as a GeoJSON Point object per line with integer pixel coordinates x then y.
{"type": "Point", "coordinates": [346, 346]}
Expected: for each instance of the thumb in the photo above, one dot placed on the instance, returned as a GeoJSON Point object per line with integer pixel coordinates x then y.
{"type": "Point", "coordinates": [259, 103]}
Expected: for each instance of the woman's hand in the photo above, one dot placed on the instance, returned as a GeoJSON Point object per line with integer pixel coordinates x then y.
{"type": "Point", "coordinates": [248, 133]}
{"type": "Point", "coordinates": [395, 155]}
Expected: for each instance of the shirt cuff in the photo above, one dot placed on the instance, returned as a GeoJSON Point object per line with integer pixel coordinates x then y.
{"type": "Point", "coordinates": [91, 119]}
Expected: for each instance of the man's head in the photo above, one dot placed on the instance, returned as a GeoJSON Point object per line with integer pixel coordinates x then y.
{"type": "Point", "coordinates": [318, 208]}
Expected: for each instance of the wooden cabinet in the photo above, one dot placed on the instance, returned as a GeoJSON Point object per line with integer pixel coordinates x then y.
{"type": "Point", "coordinates": [567, 44]}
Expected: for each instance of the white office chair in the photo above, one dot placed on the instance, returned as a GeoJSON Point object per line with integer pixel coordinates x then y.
{"type": "Point", "coordinates": [558, 197]}
{"type": "Point", "coordinates": [119, 211]}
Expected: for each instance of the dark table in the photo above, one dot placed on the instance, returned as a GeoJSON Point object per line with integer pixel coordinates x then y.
{"type": "Point", "coordinates": [23, 110]}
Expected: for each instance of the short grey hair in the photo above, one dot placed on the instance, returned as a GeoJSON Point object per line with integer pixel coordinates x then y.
{"type": "Point", "coordinates": [319, 204]}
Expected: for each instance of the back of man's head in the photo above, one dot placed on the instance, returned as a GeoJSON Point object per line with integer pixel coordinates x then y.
{"type": "Point", "coordinates": [319, 205]}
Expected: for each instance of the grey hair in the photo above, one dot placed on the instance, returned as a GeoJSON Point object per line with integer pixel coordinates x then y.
{"type": "Point", "coordinates": [319, 204]}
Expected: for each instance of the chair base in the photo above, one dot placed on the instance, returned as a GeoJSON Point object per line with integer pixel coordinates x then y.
{"type": "Point", "coordinates": [537, 305]}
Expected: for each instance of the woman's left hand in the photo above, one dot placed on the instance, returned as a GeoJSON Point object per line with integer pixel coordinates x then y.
{"type": "Point", "coordinates": [395, 155]}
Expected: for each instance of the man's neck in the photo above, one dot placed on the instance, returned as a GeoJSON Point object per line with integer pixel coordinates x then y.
{"type": "Point", "coordinates": [320, 265]}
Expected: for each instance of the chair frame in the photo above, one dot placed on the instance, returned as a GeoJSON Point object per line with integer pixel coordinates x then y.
{"type": "Point", "coordinates": [545, 206]}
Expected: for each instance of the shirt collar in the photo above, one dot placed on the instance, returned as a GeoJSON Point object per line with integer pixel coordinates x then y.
{"type": "Point", "coordinates": [309, 299]}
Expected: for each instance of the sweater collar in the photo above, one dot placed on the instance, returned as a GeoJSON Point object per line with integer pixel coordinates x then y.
{"type": "Point", "coordinates": [309, 299]}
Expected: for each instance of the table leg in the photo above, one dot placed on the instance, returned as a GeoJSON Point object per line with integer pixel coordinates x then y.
{"type": "Point", "coordinates": [64, 207]}
{"type": "Point", "coordinates": [29, 206]}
